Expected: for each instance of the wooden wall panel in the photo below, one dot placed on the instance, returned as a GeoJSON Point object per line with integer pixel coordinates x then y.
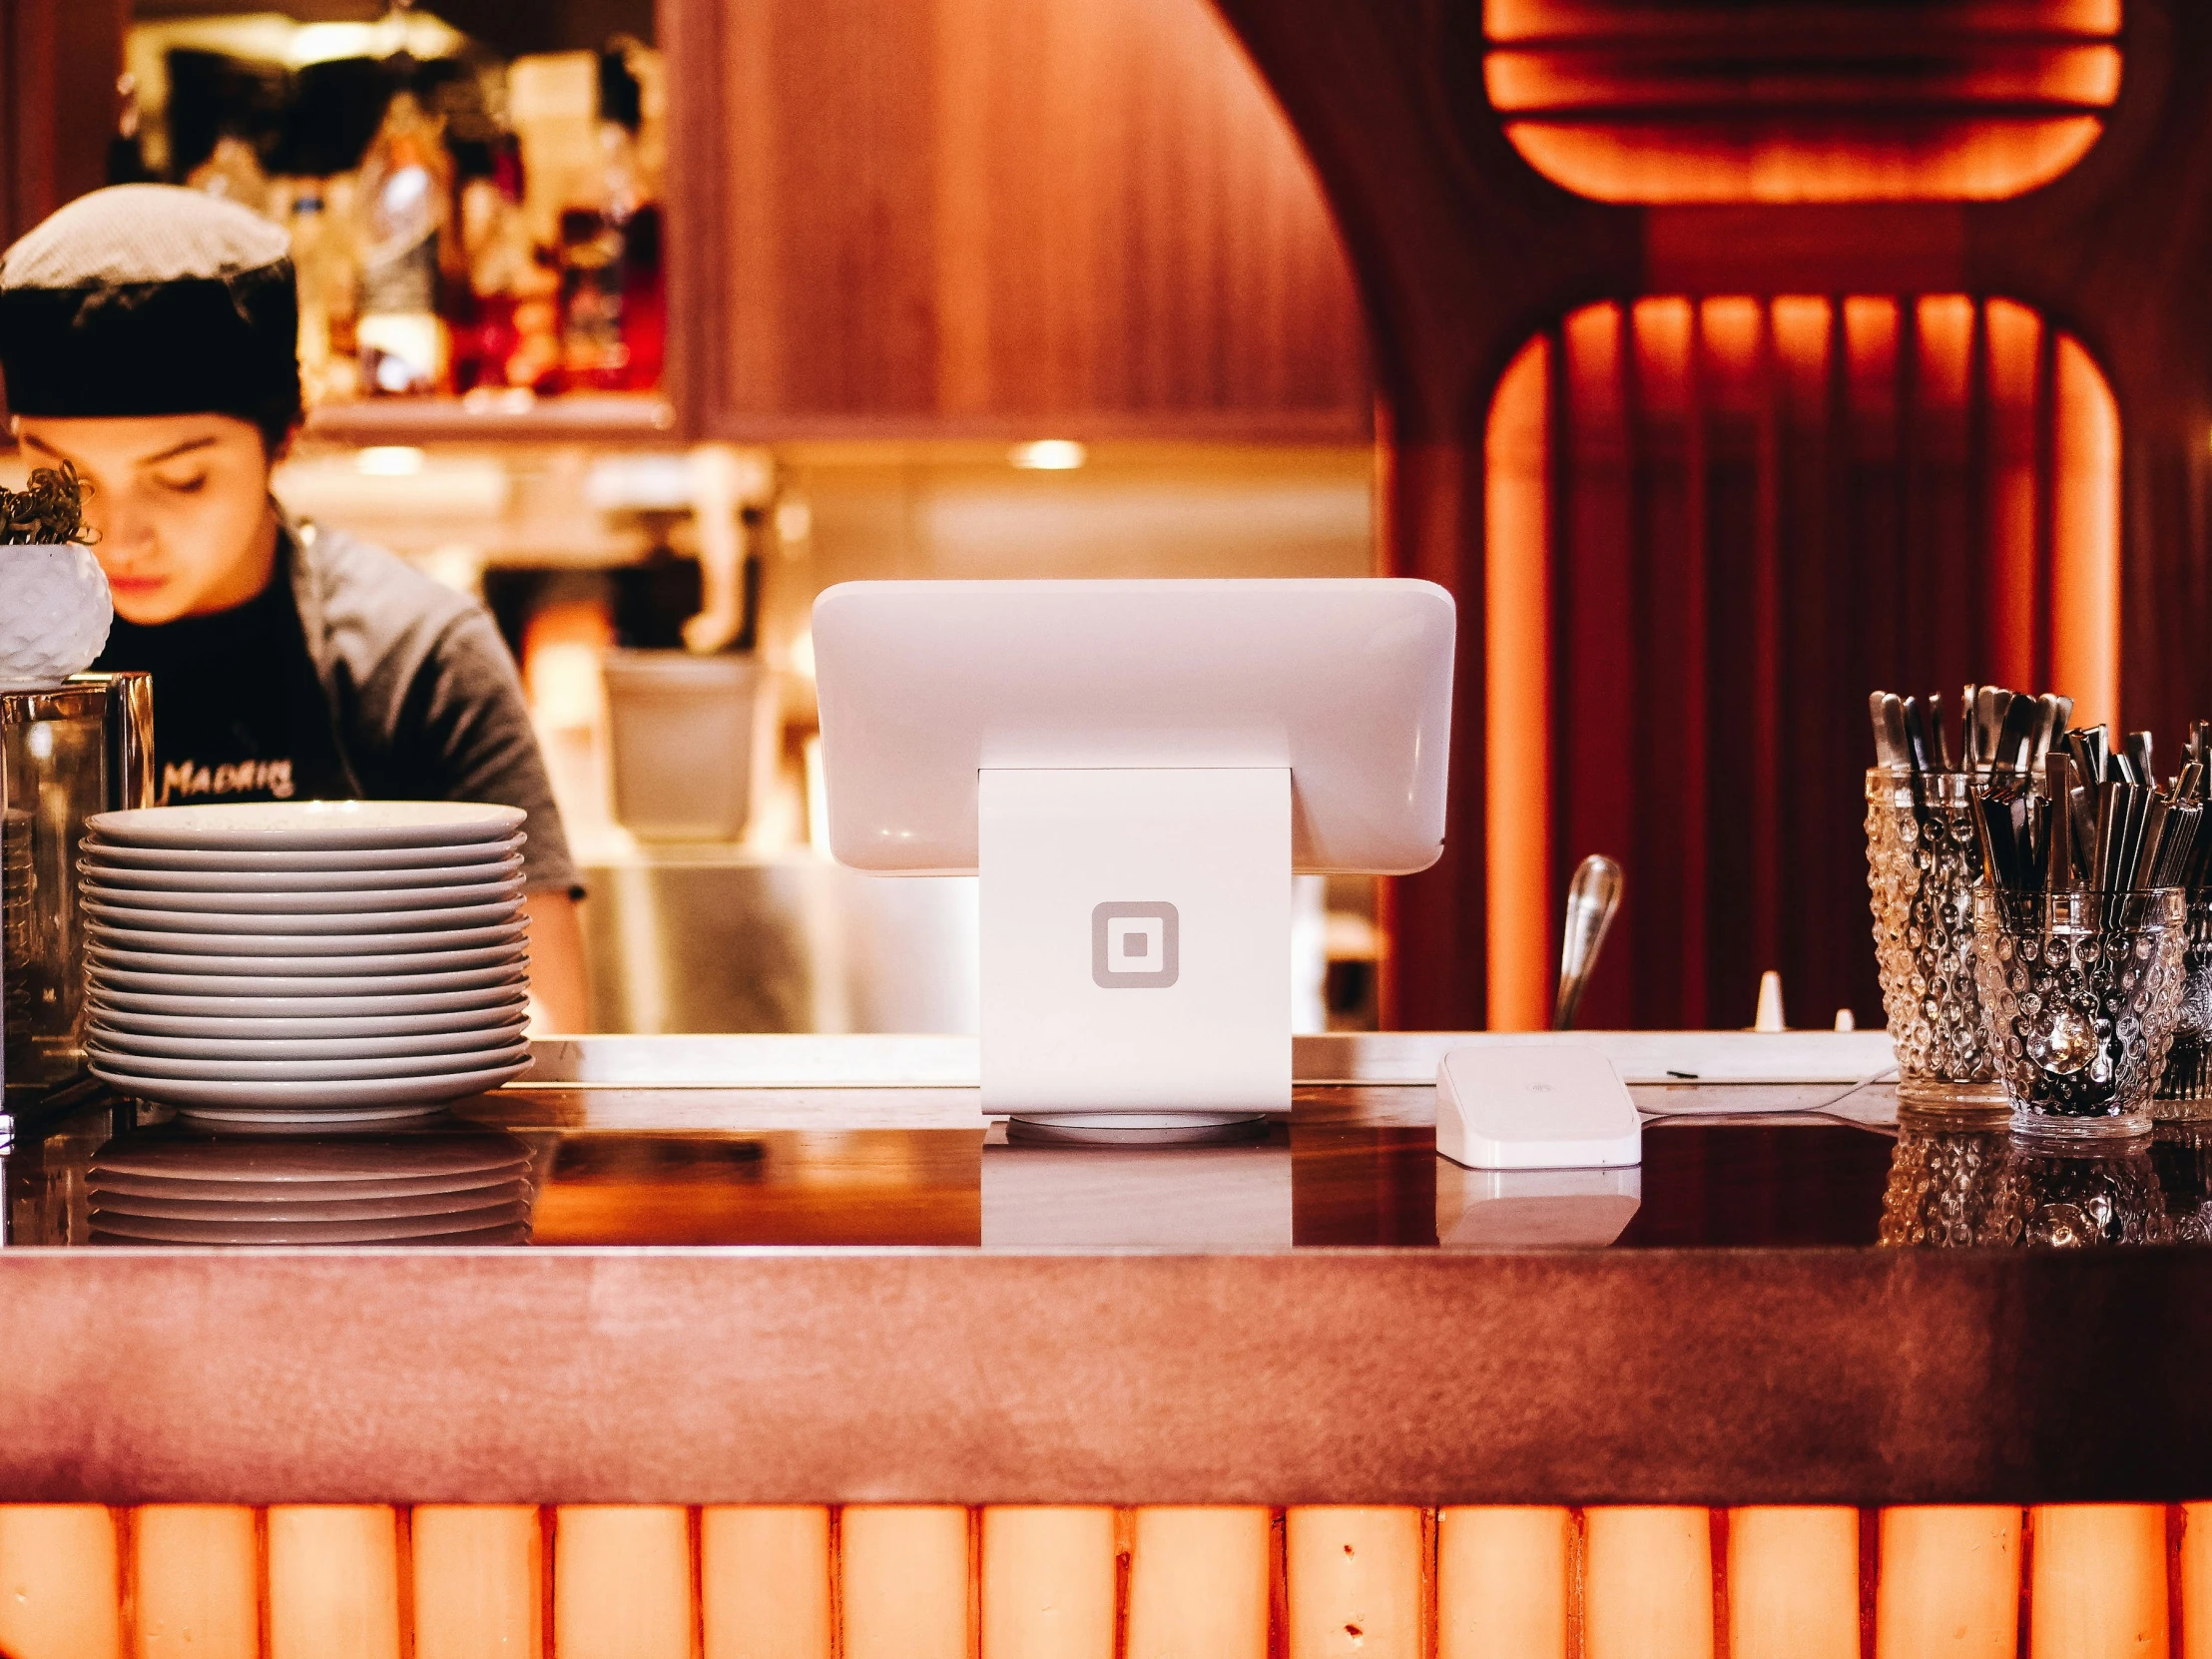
{"type": "Point", "coordinates": [1016, 215]}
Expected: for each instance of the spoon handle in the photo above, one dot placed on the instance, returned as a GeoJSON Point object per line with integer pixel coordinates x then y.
{"type": "Point", "coordinates": [1592, 898]}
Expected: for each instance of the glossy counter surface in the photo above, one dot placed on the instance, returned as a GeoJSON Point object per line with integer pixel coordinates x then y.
{"type": "Point", "coordinates": [730, 1299]}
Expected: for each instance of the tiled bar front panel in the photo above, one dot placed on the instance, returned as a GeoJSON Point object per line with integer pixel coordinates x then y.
{"type": "Point", "coordinates": [80, 1581]}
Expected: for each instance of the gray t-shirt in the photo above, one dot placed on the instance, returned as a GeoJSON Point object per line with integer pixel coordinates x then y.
{"type": "Point", "coordinates": [423, 698]}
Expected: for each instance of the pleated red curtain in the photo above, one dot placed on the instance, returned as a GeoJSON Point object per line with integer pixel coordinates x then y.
{"type": "Point", "coordinates": [1713, 526]}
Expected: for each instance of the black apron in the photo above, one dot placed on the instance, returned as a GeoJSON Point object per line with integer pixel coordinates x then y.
{"type": "Point", "coordinates": [240, 713]}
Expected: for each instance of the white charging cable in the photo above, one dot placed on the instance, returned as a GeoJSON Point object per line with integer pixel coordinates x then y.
{"type": "Point", "coordinates": [1823, 1108]}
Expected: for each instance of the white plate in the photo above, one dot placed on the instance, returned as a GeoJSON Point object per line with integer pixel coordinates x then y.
{"type": "Point", "coordinates": [138, 1193]}
{"type": "Point", "coordinates": [364, 1047]}
{"type": "Point", "coordinates": [455, 1159]}
{"type": "Point", "coordinates": [347, 888]}
{"type": "Point", "coordinates": [419, 1027]}
{"type": "Point", "coordinates": [301, 905]}
{"type": "Point", "coordinates": [337, 1067]}
{"type": "Point", "coordinates": [497, 1237]}
{"type": "Point", "coordinates": [388, 1009]}
{"type": "Point", "coordinates": [368, 1091]}
{"type": "Point", "coordinates": [309, 1125]}
{"type": "Point", "coordinates": [152, 910]}
{"type": "Point", "coordinates": [518, 1233]}
{"type": "Point", "coordinates": [310, 826]}
{"type": "Point", "coordinates": [398, 1230]}
{"type": "Point", "coordinates": [357, 867]}
{"type": "Point", "coordinates": [253, 941]}
{"type": "Point", "coordinates": [134, 967]}
{"type": "Point", "coordinates": [170, 1205]}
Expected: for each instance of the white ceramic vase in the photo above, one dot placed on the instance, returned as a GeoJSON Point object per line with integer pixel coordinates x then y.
{"type": "Point", "coordinates": [55, 608]}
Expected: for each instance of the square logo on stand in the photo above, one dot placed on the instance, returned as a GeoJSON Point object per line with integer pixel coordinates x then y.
{"type": "Point", "coordinates": [1134, 946]}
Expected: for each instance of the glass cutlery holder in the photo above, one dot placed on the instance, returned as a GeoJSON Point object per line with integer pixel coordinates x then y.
{"type": "Point", "coordinates": [2081, 991]}
{"type": "Point", "coordinates": [1923, 862]}
{"type": "Point", "coordinates": [2185, 1086]}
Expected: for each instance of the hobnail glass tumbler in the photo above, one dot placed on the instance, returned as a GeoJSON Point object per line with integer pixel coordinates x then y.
{"type": "Point", "coordinates": [2185, 1086]}
{"type": "Point", "coordinates": [1923, 862]}
{"type": "Point", "coordinates": [2081, 991]}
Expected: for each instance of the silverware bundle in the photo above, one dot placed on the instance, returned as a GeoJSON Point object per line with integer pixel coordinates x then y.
{"type": "Point", "coordinates": [2001, 732]}
{"type": "Point", "coordinates": [2113, 829]}
{"type": "Point", "coordinates": [2100, 820]}
{"type": "Point", "coordinates": [2059, 809]}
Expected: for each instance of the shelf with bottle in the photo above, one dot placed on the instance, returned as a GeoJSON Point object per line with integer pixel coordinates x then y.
{"type": "Point", "coordinates": [479, 241]}
{"type": "Point", "coordinates": [482, 415]}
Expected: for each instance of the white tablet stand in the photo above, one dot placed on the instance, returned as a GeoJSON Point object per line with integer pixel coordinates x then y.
{"type": "Point", "coordinates": [1136, 949]}
{"type": "Point", "coordinates": [1135, 770]}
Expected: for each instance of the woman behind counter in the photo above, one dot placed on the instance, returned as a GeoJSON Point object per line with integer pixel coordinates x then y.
{"type": "Point", "coordinates": [149, 337]}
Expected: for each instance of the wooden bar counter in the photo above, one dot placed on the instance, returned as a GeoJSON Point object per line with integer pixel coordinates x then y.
{"type": "Point", "coordinates": [797, 1366]}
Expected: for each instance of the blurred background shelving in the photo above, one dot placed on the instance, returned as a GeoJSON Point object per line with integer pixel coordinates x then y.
{"type": "Point", "coordinates": [919, 288]}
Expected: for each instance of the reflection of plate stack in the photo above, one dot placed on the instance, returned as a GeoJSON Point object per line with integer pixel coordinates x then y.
{"type": "Point", "coordinates": [18, 926]}
{"type": "Point", "coordinates": [168, 1188]}
{"type": "Point", "coordinates": [306, 965]}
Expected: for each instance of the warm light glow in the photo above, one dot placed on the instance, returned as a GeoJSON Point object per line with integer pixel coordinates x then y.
{"type": "Point", "coordinates": [1713, 449]}
{"type": "Point", "coordinates": [1949, 1583]}
{"type": "Point", "coordinates": [622, 1579]}
{"type": "Point", "coordinates": [1793, 1577]}
{"type": "Point", "coordinates": [1505, 1580]}
{"type": "Point", "coordinates": [389, 460]}
{"type": "Point", "coordinates": [2085, 539]}
{"type": "Point", "coordinates": [1647, 1584]}
{"type": "Point", "coordinates": [478, 1572]}
{"type": "Point", "coordinates": [60, 1584]}
{"type": "Point", "coordinates": [2099, 1567]}
{"type": "Point", "coordinates": [1517, 684]}
{"type": "Point", "coordinates": [333, 1568]}
{"type": "Point", "coordinates": [2015, 351]}
{"type": "Point", "coordinates": [1697, 101]}
{"type": "Point", "coordinates": [875, 1582]}
{"type": "Point", "coordinates": [1049, 455]}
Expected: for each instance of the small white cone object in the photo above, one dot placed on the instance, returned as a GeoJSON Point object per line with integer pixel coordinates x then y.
{"type": "Point", "coordinates": [1769, 1018]}
{"type": "Point", "coordinates": [1846, 1020]}
{"type": "Point", "coordinates": [56, 615]}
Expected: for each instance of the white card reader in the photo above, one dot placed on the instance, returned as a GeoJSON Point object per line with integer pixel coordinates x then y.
{"type": "Point", "coordinates": [1536, 1106]}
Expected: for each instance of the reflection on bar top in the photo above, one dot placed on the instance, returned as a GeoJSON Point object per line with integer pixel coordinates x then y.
{"type": "Point", "coordinates": [1354, 1167]}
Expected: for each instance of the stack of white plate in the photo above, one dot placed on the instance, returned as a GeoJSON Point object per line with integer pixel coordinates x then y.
{"type": "Point", "coordinates": [162, 1188]}
{"type": "Point", "coordinates": [306, 963]}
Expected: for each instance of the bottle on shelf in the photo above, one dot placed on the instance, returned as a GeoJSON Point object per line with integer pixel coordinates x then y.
{"type": "Point", "coordinates": [504, 314]}
{"type": "Point", "coordinates": [323, 265]}
{"type": "Point", "coordinates": [403, 197]}
{"type": "Point", "coordinates": [612, 306]}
